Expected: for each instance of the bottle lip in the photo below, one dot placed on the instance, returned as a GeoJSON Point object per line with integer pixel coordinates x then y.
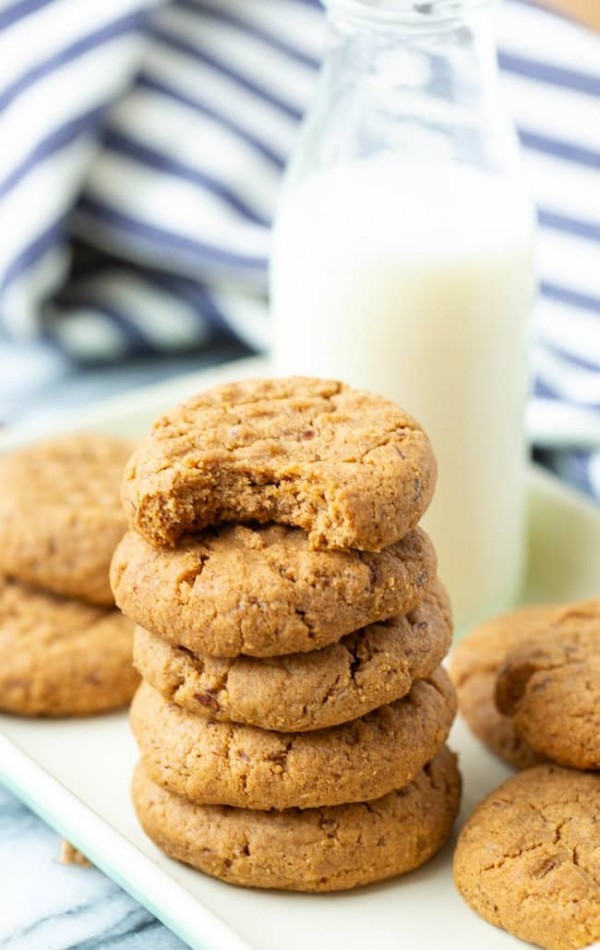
{"type": "Point", "coordinates": [413, 12]}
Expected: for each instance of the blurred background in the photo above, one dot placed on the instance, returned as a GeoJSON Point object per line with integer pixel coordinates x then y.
{"type": "Point", "coordinates": [142, 144]}
{"type": "Point", "coordinates": [142, 147]}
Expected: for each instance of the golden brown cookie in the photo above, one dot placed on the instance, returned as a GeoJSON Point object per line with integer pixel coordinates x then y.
{"type": "Point", "coordinates": [304, 691]}
{"type": "Point", "coordinates": [528, 859]}
{"type": "Point", "coordinates": [230, 764]}
{"type": "Point", "coordinates": [261, 591]}
{"type": "Point", "coordinates": [62, 657]}
{"type": "Point", "coordinates": [318, 849]}
{"type": "Point", "coordinates": [550, 689]}
{"type": "Point", "coordinates": [350, 468]}
{"type": "Point", "coordinates": [60, 514]}
{"type": "Point", "coordinates": [474, 666]}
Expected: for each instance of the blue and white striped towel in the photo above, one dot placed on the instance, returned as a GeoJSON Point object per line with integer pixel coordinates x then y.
{"type": "Point", "coordinates": [142, 145]}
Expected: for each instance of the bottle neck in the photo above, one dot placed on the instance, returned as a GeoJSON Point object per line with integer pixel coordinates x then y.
{"type": "Point", "coordinates": [408, 14]}
{"type": "Point", "coordinates": [411, 77]}
{"type": "Point", "coordinates": [440, 50]}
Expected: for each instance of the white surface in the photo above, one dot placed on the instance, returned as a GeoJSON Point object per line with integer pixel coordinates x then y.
{"type": "Point", "coordinates": [382, 268]}
{"type": "Point", "coordinates": [75, 774]}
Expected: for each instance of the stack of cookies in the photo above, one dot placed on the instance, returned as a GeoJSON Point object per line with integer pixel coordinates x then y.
{"type": "Point", "coordinates": [64, 649]}
{"type": "Point", "coordinates": [293, 713]}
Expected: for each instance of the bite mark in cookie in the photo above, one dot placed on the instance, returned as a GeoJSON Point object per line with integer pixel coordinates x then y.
{"type": "Point", "coordinates": [241, 452]}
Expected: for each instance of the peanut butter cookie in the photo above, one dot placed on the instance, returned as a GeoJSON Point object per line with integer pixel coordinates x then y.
{"type": "Point", "coordinates": [474, 669]}
{"type": "Point", "coordinates": [318, 849]}
{"type": "Point", "coordinates": [550, 689]}
{"type": "Point", "coordinates": [528, 859]}
{"type": "Point", "coordinates": [62, 657]}
{"type": "Point", "coordinates": [60, 514]}
{"type": "Point", "coordinates": [261, 591]}
{"type": "Point", "coordinates": [231, 764]}
{"type": "Point", "coordinates": [304, 691]}
{"type": "Point", "coordinates": [350, 468]}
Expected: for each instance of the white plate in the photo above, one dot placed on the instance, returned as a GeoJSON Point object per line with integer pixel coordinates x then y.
{"type": "Point", "coordinates": [75, 774]}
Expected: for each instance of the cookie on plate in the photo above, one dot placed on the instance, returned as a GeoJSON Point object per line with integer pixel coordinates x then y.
{"type": "Point", "coordinates": [304, 691]}
{"type": "Point", "coordinates": [60, 514]}
{"type": "Point", "coordinates": [321, 849]}
{"type": "Point", "coordinates": [474, 669]}
{"type": "Point", "coordinates": [261, 591]}
{"type": "Point", "coordinates": [62, 657]}
{"type": "Point", "coordinates": [528, 858]}
{"type": "Point", "coordinates": [550, 689]}
{"type": "Point", "coordinates": [350, 468]}
{"type": "Point", "coordinates": [231, 764]}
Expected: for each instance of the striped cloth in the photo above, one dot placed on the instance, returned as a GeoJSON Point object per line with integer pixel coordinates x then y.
{"type": "Point", "coordinates": [142, 150]}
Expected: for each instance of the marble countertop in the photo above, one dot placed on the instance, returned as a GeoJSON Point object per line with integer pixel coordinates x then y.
{"type": "Point", "coordinates": [45, 905]}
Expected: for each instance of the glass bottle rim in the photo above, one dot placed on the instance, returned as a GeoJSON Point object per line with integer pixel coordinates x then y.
{"type": "Point", "coordinates": [412, 12]}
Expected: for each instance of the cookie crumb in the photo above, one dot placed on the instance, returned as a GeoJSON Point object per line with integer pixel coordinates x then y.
{"type": "Point", "coordinates": [69, 854]}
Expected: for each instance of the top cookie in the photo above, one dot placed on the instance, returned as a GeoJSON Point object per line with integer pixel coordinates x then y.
{"type": "Point", "coordinates": [550, 689]}
{"type": "Point", "coordinates": [350, 468]}
{"type": "Point", "coordinates": [60, 514]}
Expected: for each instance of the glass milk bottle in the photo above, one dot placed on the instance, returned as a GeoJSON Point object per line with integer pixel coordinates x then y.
{"type": "Point", "coordinates": [402, 263]}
